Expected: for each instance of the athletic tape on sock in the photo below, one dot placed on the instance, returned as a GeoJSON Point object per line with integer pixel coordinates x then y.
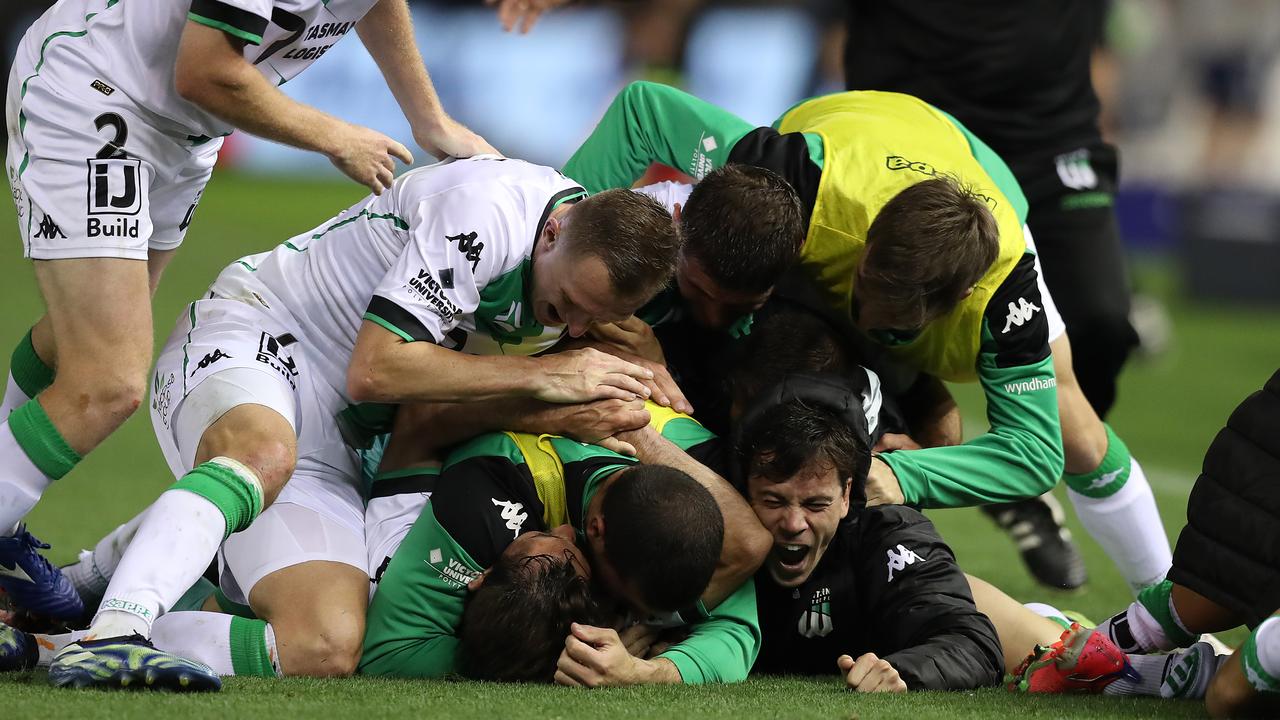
{"type": "Point", "coordinates": [229, 485]}
{"type": "Point", "coordinates": [250, 656]}
{"type": "Point", "coordinates": [41, 441]}
{"type": "Point", "coordinates": [1158, 600]}
{"type": "Point", "coordinates": [30, 372]}
{"type": "Point", "coordinates": [1110, 475]}
{"type": "Point", "coordinates": [1254, 671]}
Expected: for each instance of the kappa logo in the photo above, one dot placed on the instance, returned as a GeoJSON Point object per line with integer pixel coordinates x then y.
{"type": "Point", "coordinates": [468, 246]}
{"type": "Point", "coordinates": [48, 229]}
{"type": "Point", "coordinates": [899, 560]}
{"type": "Point", "coordinates": [816, 621]}
{"type": "Point", "coordinates": [1019, 314]}
{"type": "Point", "coordinates": [209, 359]}
{"type": "Point", "coordinates": [513, 514]}
{"type": "Point", "coordinates": [1105, 479]}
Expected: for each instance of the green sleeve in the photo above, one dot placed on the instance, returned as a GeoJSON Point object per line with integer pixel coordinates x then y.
{"type": "Point", "coordinates": [648, 123]}
{"type": "Point", "coordinates": [722, 646]}
{"type": "Point", "coordinates": [410, 629]}
{"type": "Point", "coordinates": [1021, 455]}
{"type": "Point", "coordinates": [685, 433]}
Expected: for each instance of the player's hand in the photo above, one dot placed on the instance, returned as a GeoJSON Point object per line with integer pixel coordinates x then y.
{"type": "Point", "coordinates": [525, 12]}
{"type": "Point", "coordinates": [632, 335]}
{"type": "Point", "coordinates": [577, 376]}
{"type": "Point", "coordinates": [896, 441]}
{"type": "Point", "coordinates": [597, 657]}
{"type": "Point", "coordinates": [597, 422]}
{"type": "Point", "coordinates": [639, 639]}
{"type": "Point", "coordinates": [870, 674]}
{"type": "Point", "coordinates": [446, 137]}
{"type": "Point", "coordinates": [367, 156]}
{"type": "Point", "coordinates": [882, 485]}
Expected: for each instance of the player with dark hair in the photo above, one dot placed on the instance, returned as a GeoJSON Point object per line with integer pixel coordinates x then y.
{"type": "Point", "coordinates": [850, 156]}
{"type": "Point", "coordinates": [668, 538]}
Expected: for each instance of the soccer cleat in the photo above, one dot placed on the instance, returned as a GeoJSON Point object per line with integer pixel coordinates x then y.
{"type": "Point", "coordinates": [18, 650]}
{"type": "Point", "coordinates": [1188, 672]}
{"type": "Point", "coordinates": [32, 583]}
{"type": "Point", "coordinates": [1080, 661]}
{"type": "Point", "coordinates": [128, 663]}
{"type": "Point", "coordinates": [1046, 546]}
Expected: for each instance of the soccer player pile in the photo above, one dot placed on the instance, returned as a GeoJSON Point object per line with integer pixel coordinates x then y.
{"type": "Point", "coordinates": [451, 430]}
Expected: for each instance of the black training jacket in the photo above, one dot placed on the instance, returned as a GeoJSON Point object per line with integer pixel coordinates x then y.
{"type": "Point", "coordinates": [888, 585]}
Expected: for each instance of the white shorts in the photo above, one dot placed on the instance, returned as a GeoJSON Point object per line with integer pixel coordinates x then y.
{"type": "Point", "coordinates": [225, 353]}
{"type": "Point", "coordinates": [91, 177]}
{"type": "Point", "coordinates": [1056, 327]}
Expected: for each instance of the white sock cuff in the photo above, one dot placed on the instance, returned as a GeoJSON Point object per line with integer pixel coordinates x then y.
{"type": "Point", "coordinates": [242, 471]}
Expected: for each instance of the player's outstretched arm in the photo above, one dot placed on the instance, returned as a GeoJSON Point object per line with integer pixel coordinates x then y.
{"type": "Point", "coordinates": [746, 542]}
{"type": "Point", "coordinates": [387, 33]}
{"type": "Point", "coordinates": [648, 123]}
{"type": "Point", "coordinates": [212, 73]}
{"type": "Point", "coordinates": [385, 368]}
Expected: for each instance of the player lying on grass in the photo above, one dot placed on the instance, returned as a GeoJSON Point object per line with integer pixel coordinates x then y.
{"type": "Point", "coordinates": [440, 289]}
{"type": "Point", "coordinates": [125, 105]}
{"type": "Point", "coordinates": [647, 544]}
{"type": "Point", "coordinates": [915, 232]}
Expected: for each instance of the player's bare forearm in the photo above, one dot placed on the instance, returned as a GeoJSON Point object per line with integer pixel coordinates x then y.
{"type": "Point", "coordinates": [387, 33]}
{"type": "Point", "coordinates": [386, 369]}
{"type": "Point", "coordinates": [212, 73]}
{"type": "Point", "coordinates": [746, 542]}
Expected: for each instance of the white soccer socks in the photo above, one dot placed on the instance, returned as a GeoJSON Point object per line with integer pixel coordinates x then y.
{"type": "Point", "coordinates": [1115, 504]}
{"type": "Point", "coordinates": [229, 644]}
{"type": "Point", "coordinates": [1150, 624]}
{"type": "Point", "coordinates": [176, 541]}
{"type": "Point", "coordinates": [93, 570]}
{"type": "Point", "coordinates": [32, 455]}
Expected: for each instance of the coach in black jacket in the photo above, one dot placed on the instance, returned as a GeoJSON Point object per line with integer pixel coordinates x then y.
{"type": "Point", "coordinates": [874, 588]}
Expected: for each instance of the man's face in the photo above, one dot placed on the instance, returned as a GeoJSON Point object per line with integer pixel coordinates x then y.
{"type": "Point", "coordinates": [711, 305]}
{"type": "Point", "coordinates": [802, 513]}
{"type": "Point", "coordinates": [573, 289]}
{"type": "Point", "coordinates": [557, 543]}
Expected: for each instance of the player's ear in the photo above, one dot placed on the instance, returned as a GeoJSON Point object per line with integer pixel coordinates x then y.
{"type": "Point", "coordinates": [595, 528]}
{"type": "Point", "coordinates": [551, 231]}
{"type": "Point", "coordinates": [475, 584]}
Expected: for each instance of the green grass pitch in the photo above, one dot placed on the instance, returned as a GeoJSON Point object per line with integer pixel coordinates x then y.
{"type": "Point", "coordinates": [1169, 410]}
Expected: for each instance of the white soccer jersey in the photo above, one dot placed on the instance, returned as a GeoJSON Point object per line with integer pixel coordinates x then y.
{"type": "Point", "coordinates": [129, 46]}
{"type": "Point", "coordinates": [444, 256]}
{"type": "Point", "coordinates": [668, 193]}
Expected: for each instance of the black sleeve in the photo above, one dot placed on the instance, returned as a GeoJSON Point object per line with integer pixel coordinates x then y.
{"type": "Point", "coordinates": [928, 626]}
{"type": "Point", "coordinates": [1016, 320]}
{"type": "Point", "coordinates": [786, 154]}
{"type": "Point", "coordinates": [484, 503]}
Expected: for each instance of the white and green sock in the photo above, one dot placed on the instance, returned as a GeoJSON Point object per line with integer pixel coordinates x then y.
{"type": "Point", "coordinates": [230, 645]}
{"type": "Point", "coordinates": [32, 455]}
{"type": "Point", "coordinates": [1116, 506]}
{"type": "Point", "coordinates": [176, 542]}
{"type": "Point", "coordinates": [92, 571]}
{"type": "Point", "coordinates": [1261, 657]}
{"type": "Point", "coordinates": [1150, 624]}
{"type": "Point", "coordinates": [28, 376]}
